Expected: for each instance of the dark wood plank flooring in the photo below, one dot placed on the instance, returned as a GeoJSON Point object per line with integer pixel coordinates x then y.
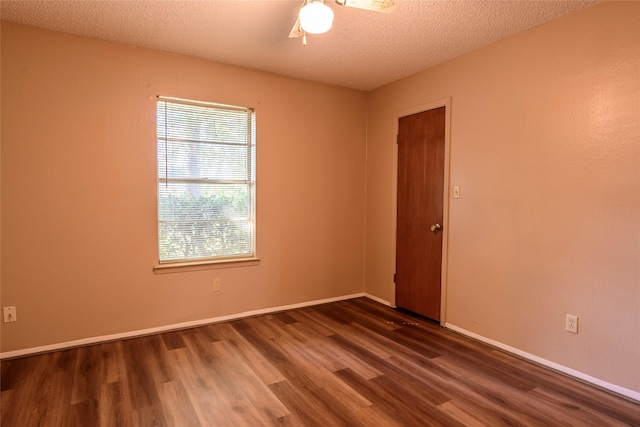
{"type": "Point", "coordinates": [349, 363]}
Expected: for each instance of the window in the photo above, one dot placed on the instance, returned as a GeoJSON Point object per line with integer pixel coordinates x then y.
{"type": "Point", "coordinates": [206, 181]}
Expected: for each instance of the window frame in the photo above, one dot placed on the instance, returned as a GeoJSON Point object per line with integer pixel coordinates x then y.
{"type": "Point", "coordinates": [223, 260]}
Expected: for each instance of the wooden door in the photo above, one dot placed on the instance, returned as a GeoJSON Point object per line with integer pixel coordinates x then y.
{"type": "Point", "coordinates": [421, 139]}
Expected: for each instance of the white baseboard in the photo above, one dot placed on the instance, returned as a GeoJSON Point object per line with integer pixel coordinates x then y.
{"type": "Point", "coordinates": [631, 394]}
{"type": "Point", "coordinates": [166, 328]}
{"type": "Point", "coordinates": [376, 299]}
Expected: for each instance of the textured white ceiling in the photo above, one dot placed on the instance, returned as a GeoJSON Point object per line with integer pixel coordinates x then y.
{"type": "Point", "coordinates": [364, 50]}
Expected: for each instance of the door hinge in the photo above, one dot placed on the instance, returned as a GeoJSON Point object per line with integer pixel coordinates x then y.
{"type": "Point", "coordinates": [396, 139]}
{"type": "Point", "coordinates": [394, 277]}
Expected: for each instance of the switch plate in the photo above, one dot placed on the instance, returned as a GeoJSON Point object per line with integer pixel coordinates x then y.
{"type": "Point", "coordinates": [216, 285]}
{"type": "Point", "coordinates": [456, 191]}
{"type": "Point", "coordinates": [10, 314]}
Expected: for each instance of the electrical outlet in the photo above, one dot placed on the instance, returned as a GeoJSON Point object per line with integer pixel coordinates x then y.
{"type": "Point", "coordinates": [10, 314]}
{"type": "Point", "coordinates": [571, 324]}
{"type": "Point", "coordinates": [216, 285]}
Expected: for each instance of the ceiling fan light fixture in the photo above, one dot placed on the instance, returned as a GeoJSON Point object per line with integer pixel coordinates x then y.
{"type": "Point", "coordinates": [316, 17]}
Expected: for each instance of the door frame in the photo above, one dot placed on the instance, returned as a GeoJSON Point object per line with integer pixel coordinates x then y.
{"type": "Point", "coordinates": [446, 102]}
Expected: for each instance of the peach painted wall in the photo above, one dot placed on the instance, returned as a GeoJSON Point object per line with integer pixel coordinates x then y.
{"type": "Point", "coordinates": [79, 189]}
{"type": "Point", "coordinates": [545, 144]}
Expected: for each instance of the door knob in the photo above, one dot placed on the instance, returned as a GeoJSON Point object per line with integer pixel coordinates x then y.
{"type": "Point", "coordinates": [435, 228]}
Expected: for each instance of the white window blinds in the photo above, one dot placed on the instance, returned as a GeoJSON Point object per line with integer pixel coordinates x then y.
{"type": "Point", "coordinates": [206, 180]}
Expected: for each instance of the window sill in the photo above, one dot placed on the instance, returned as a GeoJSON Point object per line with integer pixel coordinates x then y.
{"type": "Point", "coordinates": [180, 267]}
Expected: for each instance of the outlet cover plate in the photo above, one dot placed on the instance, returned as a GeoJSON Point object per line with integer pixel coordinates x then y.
{"type": "Point", "coordinates": [572, 324]}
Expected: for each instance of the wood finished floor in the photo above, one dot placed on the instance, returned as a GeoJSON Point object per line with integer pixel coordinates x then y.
{"type": "Point", "coordinates": [350, 363]}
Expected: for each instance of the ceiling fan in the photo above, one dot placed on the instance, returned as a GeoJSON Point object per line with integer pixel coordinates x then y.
{"type": "Point", "coordinates": [315, 17]}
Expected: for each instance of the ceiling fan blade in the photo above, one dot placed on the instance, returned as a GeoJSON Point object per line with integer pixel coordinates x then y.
{"type": "Point", "coordinates": [296, 31]}
{"type": "Point", "coordinates": [375, 5]}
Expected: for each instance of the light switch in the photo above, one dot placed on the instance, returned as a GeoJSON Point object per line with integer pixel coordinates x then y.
{"type": "Point", "coordinates": [456, 191]}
